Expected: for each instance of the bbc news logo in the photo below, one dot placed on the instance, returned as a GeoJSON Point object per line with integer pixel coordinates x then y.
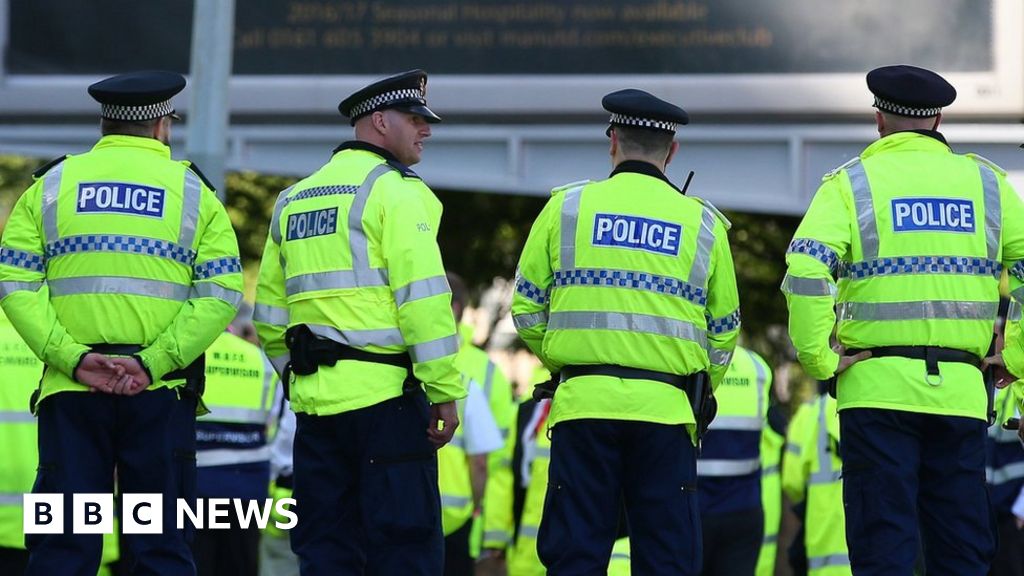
{"type": "Point", "coordinates": [144, 513]}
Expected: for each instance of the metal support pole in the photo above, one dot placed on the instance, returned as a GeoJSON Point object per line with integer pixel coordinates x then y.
{"type": "Point", "coordinates": [213, 32]}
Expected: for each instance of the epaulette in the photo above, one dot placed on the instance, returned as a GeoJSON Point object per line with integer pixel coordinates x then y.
{"type": "Point", "coordinates": [195, 170]}
{"type": "Point", "coordinates": [404, 170]}
{"type": "Point", "coordinates": [833, 172]}
{"type": "Point", "coordinates": [715, 211]}
{"type": "Point", "coordinates": [569, 186]}
{"type": "Point", "coordinates": [46, 167]}
{"type": "Point", "coordinates": [987, 162]}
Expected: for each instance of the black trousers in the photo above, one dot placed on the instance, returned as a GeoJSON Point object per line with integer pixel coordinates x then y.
{"type": "Point", "coordinates": [457, 561]}
{"type": "Point", "coordinates": [1010, 554]}
{"type": "Point", "coordinates": [231, 552]}
{"type": "Point", "coordinates": [732, 542]}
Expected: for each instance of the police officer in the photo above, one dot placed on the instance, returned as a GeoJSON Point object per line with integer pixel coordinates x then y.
{"type": "Point", "coordinates": [729, 469]}
{"type": "Point", "coordinates": [627, 288]}
{"type": "Point", "coordinates": [232, 454]}
{"type": "Point", "coordinates": [352, 299]}
{"type": "Point", "coordinates": [917, 236]}
{"type": "Point", "coordinates": [811, 478]}
{"type": "Point", "coordinates": [142, 271]}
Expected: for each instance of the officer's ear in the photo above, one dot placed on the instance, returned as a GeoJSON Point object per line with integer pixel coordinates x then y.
{"type": "Point", "coordinates": [379, 121]}
{"type": "Point", "coordinates": [671, 152]}
{"type": "Point", "coordinates": [880, 122]}
{"type": "Point", "coordinates": [613, 146]}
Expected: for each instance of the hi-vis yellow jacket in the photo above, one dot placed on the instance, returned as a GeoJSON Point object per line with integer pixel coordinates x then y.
{"type": "Point", "coordinates": [134, 248]}
{"type": "Point", "coordinates": [352, 253]}
{"type": "Point", "coordinates": [627, 271]}
{"type": "Point", "coordinates": [917, 237]}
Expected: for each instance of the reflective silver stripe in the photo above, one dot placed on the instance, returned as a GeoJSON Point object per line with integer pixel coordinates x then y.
{"type": "Point", "coordinates": [815, 562]}
{"type": "Point", "coordinates": [628, 322]}
{"type": "Point", "coordinates": [120, 285]}
{"type": "Point", "coordinates": [762, 379]}
{"type": "Point", "coordinates": [7, 288]}
{"type": "Point", "coordinates": [434, 349]}
{"type": "Point", "coordinates": [19, 417]}
{"type": "Point", "coordinates": [770, 539]}
{"type": "Point", "coordinates": [449, 501]}
{"type": "Point", "coordinates": [770, 470]}
{"type": "Point", "coordinates": [489, 385]}
{"type": "Point", "coordinates": [235, 414]}
{"type": "Point", "coordinates": [360, 338]}
{"type": "Point", "coordinates": [279, 362]}
{"type": "Point", "coordinates": [358, 244]}
{"type": "Point", "coordinates": [927, 309]}
{"type": "Point", "coordinates": [524, 321]}
{"type": "Point", "coordinates": [720, 357]}
{"type": "Point", "coordinates": [747, 423]}
{"type": "Point", "coordinates": [433, 286]}
{"type": "Point", "coordinates": [51, 189]}
{"type": "Point", "coordinates": [267, 396]}
{"type": "Point", "coordinates": [502, 536]}
{"type": "Point", "coordinates": [504, 433]}
{"type": "Point", "coordinates": [570, 216]}
{"type": "Point", "coordinates": [1007, 473]}
{"type": "Point", "coordinates": [794, 449]}
{"type": "Point", "coordinates": [705, 244]}
{"type": "Point", "coordinates": [227, 456]}
{"type": "Point", "coordinates": [620, 556]}
{"type": "Point", "coordinates": [268, 314]}
{"type": "Point", "coordinates": [542, 452]}
{"type": "Point", "coordinates": [1018, 294]}
{"type": "Point", "coordinates": [189, 209]}
{"type": "Point", "coordinates": [865, 210]}
{"type": "Point", "coordinates": [212, 290]}
{"type": "Point", "coordinates": [337, 279]}
{"type": "Point", "coordinates": [993, 210]}
{"type": "Point", "coordinates": [275, 220]}
{"type": "Point", "coordinates": [808, 286]}
{"type": "Point", "coordinates": [1013, 314]}
{"type": "Point", "coordinates": [825, 473]}
{"type": "Point", "coordinates": [528, 531]}
{"type": "Point", "coordinates": [11, 499]}
{"type": "Point", "coordinates": [727, 467]}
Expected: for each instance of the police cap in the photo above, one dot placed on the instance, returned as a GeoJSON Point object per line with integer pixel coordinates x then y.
{"type": "Point", "coordinates": [406, 92]}
{"type": "Point", "coordinates": [910, 91]}
{"type": "Point", "coordinates": [632, 107]}
{"type": "Point", "coordinates": [137, 96]}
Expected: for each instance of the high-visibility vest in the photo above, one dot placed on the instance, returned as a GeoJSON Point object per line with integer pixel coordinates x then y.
{"type": "Point", "coordinates": [120, 232]}
{"type": "Point", "coordinates": [627, 271]}
{"type": "Point", "coordinates": [729, 465]}
{"type": "Point", "coordinates": [454, 480]}
{"type": "Point", "coordinates": [811, 471]}
{"type": "Point", "coordinates": [352, 253]}
{"type": "Point", "coordinates": [771, 498]}
{"type": "Point", "coordinates": [232, 455]}
{"type": "Point", "coordinates": [497, 505]}
{"type": "Point", "coordinates": [917, 237]}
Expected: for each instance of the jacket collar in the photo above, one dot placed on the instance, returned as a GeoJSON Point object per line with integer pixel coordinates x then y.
{"type": "Point", "coordinates": [640, 167]}
{"type": "Point", "coordinates": [122, 141]}
{"type": "Point", "coordinates": [367, 147]}
{"type": "Point", "coordinates": [923, 140]}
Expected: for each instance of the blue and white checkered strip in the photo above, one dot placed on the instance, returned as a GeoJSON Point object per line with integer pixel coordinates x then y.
{"type": "Point", "coordinates": [324, 191]}
{"type": "Point", "coordinates": [531, 291]}
{"type": "Point", "coordinates": [923, 265]}
{"type": "Point", "coordinates": [216, 267]}
{"type": "Point", "coordinates": [725, 323]}
{"type": "Point", "coordinates": [22, 259]}
{"type": "Point", "coordinates": [1018, 270]}
{"type": "Point", "coordinates": [116, 243]}
{"type": "Point", "coordinates": [632, 280]}
{"type": "Point", "coordinates": [814, 249]}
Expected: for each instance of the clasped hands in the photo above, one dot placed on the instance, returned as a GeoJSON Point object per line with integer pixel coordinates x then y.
{"type": "Point", "coordinates": [119, 375]}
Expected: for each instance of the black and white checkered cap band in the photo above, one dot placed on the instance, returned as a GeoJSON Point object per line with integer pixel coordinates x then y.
{"type": "Point", "coordinates": [385, 98]}
{"type": "Point", "coordinates": [887, 106]}
{"type": "Point", "coordinates": [643, 122]}
{"type": "Point", "coordinates": [137, 113]}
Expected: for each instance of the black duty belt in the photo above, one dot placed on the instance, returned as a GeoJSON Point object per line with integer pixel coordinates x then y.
{"type": "Point", "coordinates": [931, 355]}
{"type": "Point", "coordinates": [676, 380]}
